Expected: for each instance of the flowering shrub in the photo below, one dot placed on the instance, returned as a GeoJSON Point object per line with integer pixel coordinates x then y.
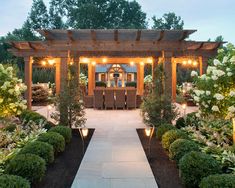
{"type": "Point", "coordinates": [215, 90]}
{"type": "Point", "coordinates": [11, 89]}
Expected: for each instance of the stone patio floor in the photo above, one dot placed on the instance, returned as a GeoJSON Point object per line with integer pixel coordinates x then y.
{"type": "Point", "coordinates": [115, 157]}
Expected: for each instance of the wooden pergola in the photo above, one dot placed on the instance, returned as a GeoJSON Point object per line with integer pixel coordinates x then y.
{"type": "Point", "coordinates": [117, 45]}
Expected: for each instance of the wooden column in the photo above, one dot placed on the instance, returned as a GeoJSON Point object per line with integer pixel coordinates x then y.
{"type": "Point", "coordinates": [91, 79]}
{"type": "Point", "coordinates": [77, 65]}
{"type": "Point", "coordinates": [63, 72]}
{"type": "Point", "coordinates": [154, 65]}
{"type": "Point", "coordinates": [174, 80]}
{"type": "Point", "coordinates": [57, 76]}
{"type": "Point", "coordinates": [204, 64]}
{"type": "Point", "coordinates": [28, 61]}
{"type": "Point", "coordinates": [140, 79]}
{"type": "Point", "coordinates": [168, 74]}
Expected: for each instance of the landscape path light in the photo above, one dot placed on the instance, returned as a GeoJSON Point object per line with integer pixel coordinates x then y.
{"type": "Point", "coordinates": [83, 133]}
{"type": "Point", "coordinates": [184, 106]}
{"type": "Point", "coordinates": [149, 133]}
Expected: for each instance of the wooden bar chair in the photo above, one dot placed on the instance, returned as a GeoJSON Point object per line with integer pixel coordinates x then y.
{"type": "Point", "coordinates": [98, 98]}
{"type": "Point", "coordinates": [120, 98]}
{"type": "Point", "coordinates": [131, 98]}
{"type": "Point", "coordinates": [109, 98]}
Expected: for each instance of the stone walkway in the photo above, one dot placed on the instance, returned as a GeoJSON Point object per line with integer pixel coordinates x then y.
{"type": "Point", "coordinates": [115, 157]}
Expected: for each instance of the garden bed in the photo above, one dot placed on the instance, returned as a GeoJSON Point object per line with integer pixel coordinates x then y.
{"type": "Point", "coordinates": [62, 171]}
{"type": "Point", "coordinates": [164, 170]}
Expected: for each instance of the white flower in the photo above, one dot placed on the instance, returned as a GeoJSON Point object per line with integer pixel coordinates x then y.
{"type": "Point", "coordinates": [210, 69]}
{"type": "Point", "coordinates": [203, 77]}
{"type": "Point", "coordinates": [208, 93]}
{"type": "Point", "coordinates": [215, 85]}
{"type": "Point", "coordinates": [198, 115]}
{"type": "Point", "coordinates": [232, 93]}
{"type": "Point", "coordinates": [196, 98]}
{"type": "Point", "coordinates": [231, 109]}
{"type": "Point", "coordinates": [228, 69]}
{"type": "Point", "coordinates": [218, 96]}
{"type": "Point", "coordinates": [225, 59]}
{"type": "Point", "coordinates": [194, 73]}
{"type": "Point", "coordinates": [229, 73]}
{"type": "Point", "coordinates": [214, 77]}
{"type": "Point", "coordinates": [232, 59]}
{"type": "Point", "coordinates": [221, 50]}
{"type": "Point", "coordinates": [215, 108]}
{"type": "Point", "coordinates": [216, 62]}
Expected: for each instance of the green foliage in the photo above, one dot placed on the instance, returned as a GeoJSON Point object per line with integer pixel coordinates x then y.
{"type": "Point", "coordinates": [131, 84]}
{"type": "Point", "coordinates": [10, 128]}
{"type": "Point", "coordinates": [66, 132]}
{"type": "Point", "coordinates": [218, 181]}
{"type": "Point", "coordinates": [56, 14]}
{"type": "Point", "coordinates": [180, 147]}
{"type": "Point", "coordinates": [55, 139]}
{"type": "Point", "coordinates": [157, 107]}
{"type": "Point", "coordinates": [162, 129]}
{"type": "Point", "coordinates": [196, 165]}
{"type": "Point", "coordinates": [180, 122]}
{"type": "Point", "coordinates": [192, 120]}
{"type": "Point", "coordinates": [105, 14]}
{"type": "Point", "coordinates": [43, 75]}
{"type": "Point", "coordinates": [11, 181]}
{"type": "Point", "coordinates": [100, 84]}
{"type": "Point", "coordinates": [28, 115]}
{"type": "Point", "coordinates": [168, 21]}
{"type": "Point", "coordinates": [170, 136]}
{"type": "Point", "coordinates": [42, 149]}
{"type": "Point", "coordinates": [29, 166]}
{"type": "Point", "coordinates": [69, 107]}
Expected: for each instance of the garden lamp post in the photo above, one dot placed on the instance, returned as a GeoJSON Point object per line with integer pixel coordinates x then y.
{"type": "Point", "coordinates": [184, 106]}
{"type": "Point", "coordinates": [149, 133]}
{"type": "Point", "coordinates": [83, 132]}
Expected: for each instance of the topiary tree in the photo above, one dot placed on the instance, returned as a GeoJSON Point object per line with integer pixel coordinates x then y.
{"type": "Point", "coordinates": [55, 139]}
{"type": "Point", "coordinates": [157, 107]}
{"type": "Point", "coordinates": [196, 165]}
{"type": "Point", "coordinates": [180, 147]}
{"type": "Point", "coordinates": [66, 132]}
{"type": "Point", "coordinates": [29, 166]}
{"type": "Point", "coordinates": [12, 181]}
{"type": "Point", "coordinates": [42, 149]}
{"type": "Point", "coordinates": [11, 89]}
{"type": "Point", "coordinates": [218, 180]}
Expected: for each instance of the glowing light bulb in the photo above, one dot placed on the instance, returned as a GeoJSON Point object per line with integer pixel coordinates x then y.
{"type": "Point", "coordinates": [132, 63]}
{"type": "Point", "coordinates": [93, 63]}
{"type": "Point", "coordinates": [51, 61]}
{"type": "Point", "coordinates": [104, 60]}
{"type": "Point", "coordinates": [44, 63]}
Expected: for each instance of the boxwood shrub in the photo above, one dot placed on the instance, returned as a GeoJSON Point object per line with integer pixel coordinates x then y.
{"type": "Point", "coordinates": [12, 181]}
{"type": "Point", "coordinates": [218, 181]}
{"type": "Point", "coordinates": [162, 129]}
{"type": "Point", "coordinates": [170, 136]}
{"type": "Point", "coordinates": [196, 165]}
{"type": "Point", "coordinates": [180, 122]}
{"type": "Point", "coordinates": [41, 149]}
{"type": "Point", "coordinates": [29, 166]}
{"type": "Point", "coordinates": [180, 147]}
{"type": "Point", "coordinates": [66, 132]}
{"type": "Point", "coordinates": [28, 115]}
{"type": "Point", "coordinates": [55, 139]}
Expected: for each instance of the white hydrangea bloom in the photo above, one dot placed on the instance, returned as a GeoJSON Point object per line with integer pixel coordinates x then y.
{"type": "Point", "coordinates": [232, 60]}
{"type": "Point", "coordinates": [229, 74]}
{"type": "Point", "coordinates": [203, 77]}
{"type": "Point", "coordinates": [196, 98]}
{"type": "Point", "coordinates": [232, 93]}
{"type": "Point", "coordinates": [210, 69]}
{"type": "Point", "coordinates": [214, 77]}
{"type": "Point", "coordinates": [218, 96]}
{"type": "Point", "coordinates": [208, 93]}
{"type": "Point", "coordinates": [231, 109]}
{"type": "Point", "coordinates": [225, 59]}
{"type": "Point", "coordinates": [194, 73]}
{"type": "Point", "coordinates": [215, 108]}
{"type": "Point", "coordinates": [216, 62]}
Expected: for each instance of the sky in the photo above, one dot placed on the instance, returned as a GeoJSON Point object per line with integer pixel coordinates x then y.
{"type": "Point", "coordinates": [210, 18]}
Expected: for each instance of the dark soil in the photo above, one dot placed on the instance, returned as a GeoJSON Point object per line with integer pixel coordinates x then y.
{"type": "Point", "coordinates": [165, 171]}
{"type": "Point", "coordinates": [62, 172]}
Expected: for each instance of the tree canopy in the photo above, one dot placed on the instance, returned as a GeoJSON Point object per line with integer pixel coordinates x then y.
{"type": "Point", "coordinates": [168, 21]}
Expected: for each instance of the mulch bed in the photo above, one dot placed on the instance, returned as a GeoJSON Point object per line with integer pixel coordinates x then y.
{"type": "Point", "coordinates": [164, 170]}
{"type": "Point", "coordinates": [62, 172]}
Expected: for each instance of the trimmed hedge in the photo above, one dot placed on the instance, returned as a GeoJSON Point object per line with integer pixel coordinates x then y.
{"type": "Point", "coordinates": [180, 122]}
{"type": "Point", "coordinates": [162, 129]}
{"type": "Point", "coordinates": [12, 181]}
{"type": "Point", "coordinates": [66, 132]}
{"type": "Point", "coordinates": [42, 149]}
{"type": "Point", "coordinates": [29, 166]}
{"type": "Point", "coordinates": [218, 181]}
{"type": "Point", "coordinates": [28, 115]}
{"type": "Point", "coordinates": [100, 84]}
{"type": "Point", "coordinates": [55, 139]}
{"type": "Point", "coordinates": [180, 147]}
{"type": "Point", "coordinates": [131, 84]}
{"type": "Point", "coordinates": [196, 165]}
{"type": "Point", "coordinates": [170, 136]}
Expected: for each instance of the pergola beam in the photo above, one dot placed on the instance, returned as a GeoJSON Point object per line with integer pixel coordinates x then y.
{"type": "Point", "coordinates": [31, 46]}
{"type": "Point", "coordinates": [70, 36]}
{"type": "Point", "coordinates": [93, 35]}
{"type": "Point", "coordinates": [116, 35]}
{"type": "Point", "coordinates": [184, 36]}
{"type": "Point", "coordinates": [161, 36]}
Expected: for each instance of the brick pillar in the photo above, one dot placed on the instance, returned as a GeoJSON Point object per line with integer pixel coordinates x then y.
{"type": "Point", "coordinates": [28, 61]}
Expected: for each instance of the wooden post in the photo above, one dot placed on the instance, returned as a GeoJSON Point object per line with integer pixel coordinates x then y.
{"type": "Point", "coordinates": [28, 61]}
{"type": "Point", "coordinates": [154, 65]}
{"type": "Point", "coordinates": [204, 64]}
{"type": "Point", "coordinates": [200, 66]}
{"type": "Point", "coordinates": [174, 80]}
{"type": "Point", "coordinates": [140, 79]}
{"type": "Point", "coordinates": [57, 76]}
{"type": "Point", "coordinates": [168, 74]}
{"type": "Point", "coordinates": [91, 79]}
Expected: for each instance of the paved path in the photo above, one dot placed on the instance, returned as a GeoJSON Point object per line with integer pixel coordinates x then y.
{"type": "Point", "coordinates": [115, 157]}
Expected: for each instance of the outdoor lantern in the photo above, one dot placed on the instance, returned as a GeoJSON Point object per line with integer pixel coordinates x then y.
{"type": "Point", "coordinates": [84, 131]}
{"type": "Point", "coordinates": [148, 131]}
{"type": "Point", "coordinates": [43, 63]}
{"type": "Point", "coordinates": [184, 106]}
{"type": "Point", "coordinates": [51, 61]}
